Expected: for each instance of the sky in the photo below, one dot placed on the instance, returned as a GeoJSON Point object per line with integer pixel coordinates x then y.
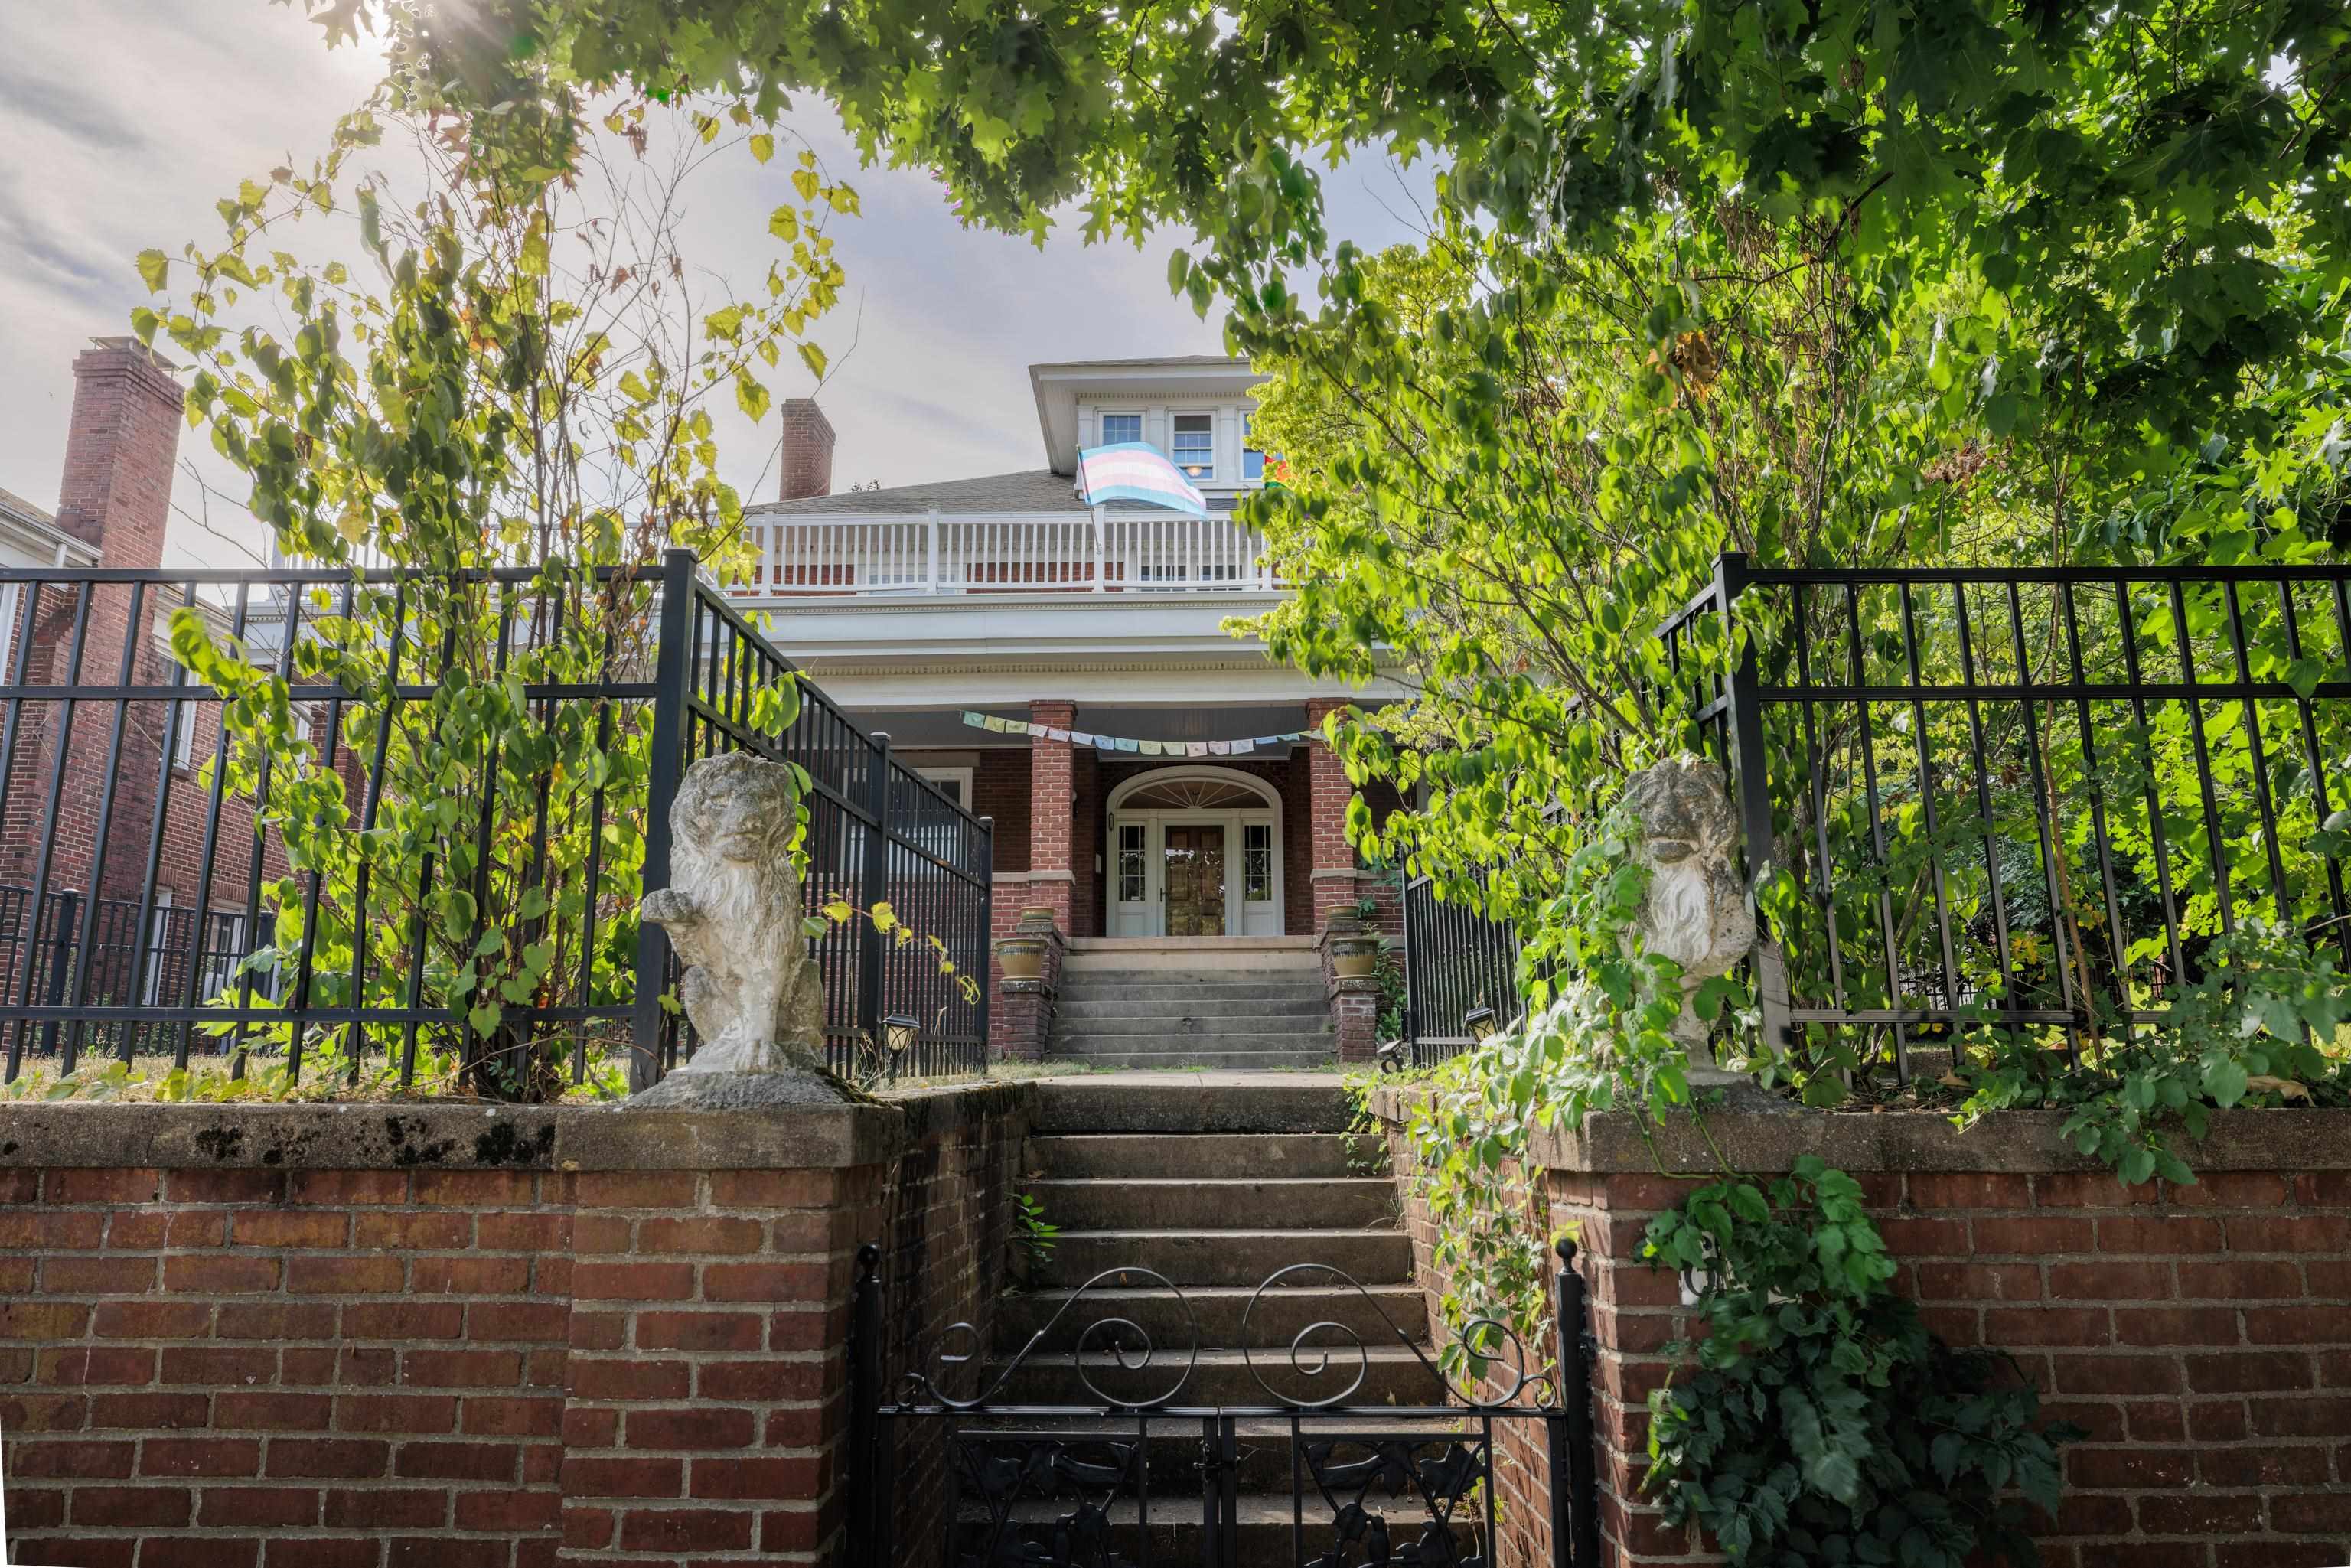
{"type": "Point", "coordinates": [930, 348]}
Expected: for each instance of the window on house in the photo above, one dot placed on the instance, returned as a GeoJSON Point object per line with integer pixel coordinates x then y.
{"type": "Point", "coordinates": [1130, 881]}
{"type": "Point", "coordinates": [1195, 446]}
{"type": "Point", "coordinates": [183, 736]}
{"type": "Point", "coordinates": [1252, 460]}
{"type": "Point", "coordinates": [1118, 427]}
{"type": "Point", "coordinates": [954, 783]}
{"type": "Point", "coordinates": [1257, 861]}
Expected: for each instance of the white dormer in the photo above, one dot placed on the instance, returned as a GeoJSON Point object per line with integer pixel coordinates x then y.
{"type": "Point", "coordinates": [1194, 409]}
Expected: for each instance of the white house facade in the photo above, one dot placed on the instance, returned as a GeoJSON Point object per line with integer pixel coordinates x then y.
{"type": "Point", "coordinates": [1149, 773]}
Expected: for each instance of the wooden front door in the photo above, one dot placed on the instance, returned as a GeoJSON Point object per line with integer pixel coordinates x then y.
{"type": "Point", "coordinates": [1192, 877]}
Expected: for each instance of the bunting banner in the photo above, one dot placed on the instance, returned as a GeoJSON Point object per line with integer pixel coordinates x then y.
{"type": "Point", "coordinates": [990, 722]}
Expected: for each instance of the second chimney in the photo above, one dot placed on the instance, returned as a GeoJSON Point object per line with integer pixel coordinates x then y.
{"type": "Point", "coordinates": [806, 451]}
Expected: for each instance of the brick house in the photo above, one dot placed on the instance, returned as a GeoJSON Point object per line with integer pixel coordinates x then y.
{"type": "Point", "coordinates": [1062, 667]}
{"type": "Point", "coordinates": [113, 508]}
{"type": "Point", "coordinates": [1157, 781]}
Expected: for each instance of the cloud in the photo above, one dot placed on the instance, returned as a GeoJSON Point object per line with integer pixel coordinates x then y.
{"type": "Point", "coordinates": [66, 110]}
{"type": "Point", "coordinates": [198, 94]}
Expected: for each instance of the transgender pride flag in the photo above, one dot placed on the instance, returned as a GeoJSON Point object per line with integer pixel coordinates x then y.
{"type": "Point", "coordinates": [1137, 471]}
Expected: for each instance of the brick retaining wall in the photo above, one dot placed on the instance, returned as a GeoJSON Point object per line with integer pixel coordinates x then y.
{"type": "Point", "coordinates": [370, 1336]}
{"type": "Point", "coordinates": [2201, 1335]}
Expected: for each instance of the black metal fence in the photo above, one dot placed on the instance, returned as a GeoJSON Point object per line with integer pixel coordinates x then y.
{"type": "Point", "coordinates": [2034, 801]}
{"type": "Point", "coordinates": [399, 823]}
{"type": "Point", "coordinates": [1460, 973]}
{"type": "Point", "coordinates": [880, 837]}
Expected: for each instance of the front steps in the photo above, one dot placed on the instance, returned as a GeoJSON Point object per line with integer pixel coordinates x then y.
{"type": "Point", "coordinates": [1216, 1182]}
{"type": "Point", "coordinates": [1238, 1003]}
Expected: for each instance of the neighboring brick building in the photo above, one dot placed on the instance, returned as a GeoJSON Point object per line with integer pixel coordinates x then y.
{"type": "Point", "coordinates": [60, 812]}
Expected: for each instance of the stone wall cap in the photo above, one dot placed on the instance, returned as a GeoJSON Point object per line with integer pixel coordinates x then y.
{"type": "Point", "coordinates": [470, 1136]}
{"type": "Point", "coordinates": [2015, 1141]}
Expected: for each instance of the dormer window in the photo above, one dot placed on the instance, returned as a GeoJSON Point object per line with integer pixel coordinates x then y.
{"type": "Point", "coordinates": [1119, 427]}
{"type": "Point", "coordinates": [1194, 449]}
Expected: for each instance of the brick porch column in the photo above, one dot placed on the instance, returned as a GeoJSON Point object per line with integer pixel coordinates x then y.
{"type": "Point", "coordinates": [1052, 782]}
{"type": "Point", "coordinates": [1328, 792]}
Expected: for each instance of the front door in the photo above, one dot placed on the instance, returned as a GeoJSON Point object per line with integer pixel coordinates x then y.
{"type": "Point", "coordinates": [1192, 875]}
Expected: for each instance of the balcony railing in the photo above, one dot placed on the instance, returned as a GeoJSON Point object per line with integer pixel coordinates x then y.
{"type": "Point", "coordinates": [1112, 552]}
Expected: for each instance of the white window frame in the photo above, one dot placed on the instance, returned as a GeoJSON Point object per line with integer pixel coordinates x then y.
{"type": "Point", "coordinates": [184, 738]}
{"type": "Point", "coordinates": [1103, 419]}
{"type": "Point", "coordinates": [960, 777]}
{"type": "Point", "coordinates": [1243, 916]}
{"type": "Point", "coordinates": [1176, 456]}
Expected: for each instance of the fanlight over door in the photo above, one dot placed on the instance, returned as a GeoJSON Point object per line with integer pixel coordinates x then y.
{"type": "Point", "coordinates": [1194, 852]}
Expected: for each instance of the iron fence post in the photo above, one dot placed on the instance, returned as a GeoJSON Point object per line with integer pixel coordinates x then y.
{"type": "Point", "coordinates": [872, 949]}
{"type": "Point", "coordinates": [986, 926]}
{"type": "Point", "coordinates": [1574, 1508]}
{"type": "Point", "coordinates": [672, 669]}
{"type": "Point", "coordinates": [866, 1513]}
{"type": "Point", "coordinates": [61, 961]}
{"type": "Point", "coordinates": [1412, 957]}
{"type": "Point", "coordinates": [1750, 765]}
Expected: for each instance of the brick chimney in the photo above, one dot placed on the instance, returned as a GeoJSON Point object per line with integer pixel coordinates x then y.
{"type": "Point", "coordinates": [806, 451]}
{"type": "Point", "coordinates": [121, 451]}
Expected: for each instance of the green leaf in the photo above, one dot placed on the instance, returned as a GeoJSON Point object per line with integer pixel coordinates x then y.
{"type": "Point", "coordinates": [153, 267]}
{"type": "Point", "coordinates": [750, 396]}
{"type": "Point", "coordinates": [763, 146]}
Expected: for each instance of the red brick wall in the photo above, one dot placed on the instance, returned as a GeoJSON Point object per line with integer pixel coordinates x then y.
{"type": "Point", "coordinates": [999, 789]}
{"type": "Point", "coordinates": [2201, 1335]}
{"type": "Point", "coordinates": [386, 1365]}
{"type": "Point", "coordinates": [805, 456]}
{"type": "Point", "coordinates": [115, 493]}
{"type": "Point", "coordinates": [1052, 812]}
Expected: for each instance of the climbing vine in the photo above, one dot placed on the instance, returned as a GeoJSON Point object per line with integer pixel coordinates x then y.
{"type": "Point", "coordinates": [1822, 1424]}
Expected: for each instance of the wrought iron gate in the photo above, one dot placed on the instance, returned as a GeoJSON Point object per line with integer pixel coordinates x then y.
{"type": "Point", "coordinates": [1138, 1478]}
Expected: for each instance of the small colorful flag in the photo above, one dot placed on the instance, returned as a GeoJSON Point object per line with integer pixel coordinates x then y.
{"type": "Point", "coordinates": [1137, 471]}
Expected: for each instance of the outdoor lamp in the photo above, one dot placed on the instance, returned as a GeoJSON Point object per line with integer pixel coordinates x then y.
{"type": "Point", "coordinates": [1479, 1020]}
{"type": "Point", "coordinates": [899, 1032]}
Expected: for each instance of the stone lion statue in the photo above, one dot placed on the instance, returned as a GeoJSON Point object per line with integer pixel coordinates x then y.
{"type": "Point", "coordinates": [733, 912]}
{"type": "Point", "coordinates": [1697, 912]}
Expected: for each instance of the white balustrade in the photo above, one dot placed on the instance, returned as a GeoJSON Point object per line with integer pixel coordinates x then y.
{"type": "Point", "coordinates": [1100, 552]}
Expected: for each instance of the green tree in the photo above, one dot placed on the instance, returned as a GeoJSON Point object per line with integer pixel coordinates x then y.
{"type": "Point", "coordinates": [507, 405]}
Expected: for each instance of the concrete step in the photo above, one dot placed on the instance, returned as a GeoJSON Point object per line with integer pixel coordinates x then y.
{"type": "Point", "coordinates": [1190, 983]}
{"type": "Point", "coordinates": [1266, 1533]}
{"type": "Point", "coordinates": [1263, 1059]}
{"type": "Point", "coordinates": [1244, 1156]}
{"type": "Point", "coordinates": [1180, 1021]}
{"type": "Point", "coordinates": [1378, 1313]}
{"type": "Point", "coordinates": [1084, 1006]}
{"type": "Point", "coordinates": [1089, 1038]}
{"type": "Point", "coordinates": [1192, 1103]}
{"type": "Point", "coordinates": [1123, 1203]}
{"type": "Point", "coordinates": [1378, 1374]}
{"type": "Point", "coordinates": [1243, 1257]}
{"type": "Point", "coordinates": [1189, 953]}
{"type": "Point", "coordinates": [1263, 1449]}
